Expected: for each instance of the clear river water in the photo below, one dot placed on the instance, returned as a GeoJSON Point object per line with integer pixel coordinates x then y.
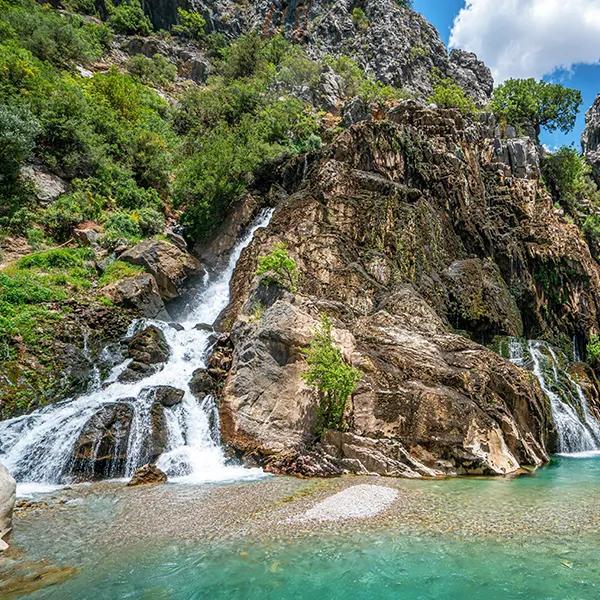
{"type": "Point", "coordinates": [534, 537]}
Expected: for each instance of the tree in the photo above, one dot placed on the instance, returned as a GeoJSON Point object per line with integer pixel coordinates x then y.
{"type": "Point", "coordinates": [448, 94]}
{"type": "Point", "coordinates": [279, 267]}
{"type": "Point", "coordinates": [331, 376]}
{"type": "Point", "coordinates": [191, 25]}
{"type": "Point", "coordinates": [530, 105]}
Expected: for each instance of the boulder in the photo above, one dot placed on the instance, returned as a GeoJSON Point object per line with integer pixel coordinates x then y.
{"type": "Point", "coordinates": [169, 265]}
{"type": "Point", "coordinates": [48, 186]}
{"type": "Point", "coordinates": [148, 475]}
{"type": "Point", "coordinates": [139, 293]}
{"type": "Point", "coordinates": [148, 350]}
{"type": "Point", "coordinates": [7, 502]}
{"type": "Point", "coordinates": [101, 448]}
{"type": "Point", "coordinates": [165, 395]}
{"type": "Point", "coordinates": [202, 384]}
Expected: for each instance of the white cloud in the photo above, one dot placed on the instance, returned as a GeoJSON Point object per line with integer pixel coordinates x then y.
{"type": "Point", "coordinates": [529, 38]}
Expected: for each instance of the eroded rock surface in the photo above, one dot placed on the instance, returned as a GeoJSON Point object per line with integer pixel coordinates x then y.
{"type": "Point", "coordinates": [422, 236]}
{"type": "Point", "coordinates": [148, 475]}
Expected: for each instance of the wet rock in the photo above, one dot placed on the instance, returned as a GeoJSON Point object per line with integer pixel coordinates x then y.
{"type": "Point", "coordinates": [303, 465]}
{"type": "Point", "coordinates": [204, 327]}
{"type": "Point", "coordinates": [202, 384]}
{"type": "Point", "coordinates": [165, 395]}
{"type": "Point", "coordinates": [149, 474]}
{"type": "Point", "coordinates": [480, 300]}
{"type": "Point", "coordinates": [140, 293]}
{"type": "Point", "coordinates": [169, 265]}
{"type": "Point", "coordinates": [7, 503]}
{"type": "Point", "coordinates": [101, 448]}
{"type": "Point", "coordinates": [148, 350]}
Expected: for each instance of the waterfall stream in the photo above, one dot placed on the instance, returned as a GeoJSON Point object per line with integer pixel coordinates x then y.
{"type": "Point", "coordinates": [38, 448]}
{"type": "Point", "coordinates": [577, 429]}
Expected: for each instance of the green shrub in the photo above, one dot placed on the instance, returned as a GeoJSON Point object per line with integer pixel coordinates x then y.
{"type": "Point", "coordinates": [532, 105]}
{"type": "Point", "coordinates": [191, 25]}
{"type": "Point", "coordinates": [118, 270]}
{"type": "Point", "coordinates": [68, 211]}
{"type": "Point", "coordinates": [593, 349]}
{"type": "Point", "coordinates": [157, 70]}
{"type": "Point", "coordinates": [359, 18]}
{"type": "Point", "coordinates": [149, 220]}
{"type": "Point", "coordinates": [448, 94]}
{"type": "Point", "coordinates": [121, 228]}
{"type": "Point", "coordinates": [279, 268]}
{"type": "Point", "coordinates": [330, 376]}
{"type": "Point", "coordinates": [129, 18]}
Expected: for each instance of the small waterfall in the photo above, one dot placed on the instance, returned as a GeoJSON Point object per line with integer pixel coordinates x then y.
{"type": "Point", "coordinates": [39, 448]}
{"type": "Point", "coordinates": [577, 429]}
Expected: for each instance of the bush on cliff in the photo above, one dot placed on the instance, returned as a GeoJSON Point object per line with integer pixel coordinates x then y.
{"type": "Point", "coordinates": [128, 18]}
{"type": "Point", "coordinates": [532, 105]}
{"type": "Point", "coordinates": [330, 375]}
{"type": "Point", "coordinates": [279, 268]}
{"type": "Point", "coordinates": [448, 94]}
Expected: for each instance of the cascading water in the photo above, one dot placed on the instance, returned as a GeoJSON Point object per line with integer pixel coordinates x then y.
{"type": "Point", "coordinates": [38, 448]}
{"type": "Point", "coordinates": [578, 431]}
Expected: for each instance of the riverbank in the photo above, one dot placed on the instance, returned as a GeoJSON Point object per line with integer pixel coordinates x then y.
{"type": "Point", "coordinates": [178, 541]}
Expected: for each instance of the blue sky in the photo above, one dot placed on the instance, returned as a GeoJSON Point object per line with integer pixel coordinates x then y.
{"type": "Point", "coordinates": [567, 31]}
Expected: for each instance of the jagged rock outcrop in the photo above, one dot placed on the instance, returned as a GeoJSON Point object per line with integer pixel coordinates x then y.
{"type": "Point", "coordinates": [590, 138]}
{"type": "Point", "coordinates": [139, 293]}
{"type": "Point", "coordinates": [405, 231]}
{"type": "Point", "coordinates": [7, 504]}
{"type": "Point", "coordinates": [398, 47]}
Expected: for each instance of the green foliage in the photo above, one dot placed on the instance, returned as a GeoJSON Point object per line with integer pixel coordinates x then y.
{"type": "Point", "coordinates": [591, 228]}
{"type": "Point", "coordinates": [129, 18]}
{"type": "Point", "coordinates": [593, 349]}
{"type": "Point", "coordinates": [50, 36]}
{"type": "Point", "coordinates": [355, 83]}
{"type": "Point", "coordinates": [157, 70]}
{"type": "Point", "coordinates": [331, 376]}
{"type": "Point", "coordinates": [118, 270]}
{"type": "Point", "coordinates": [359, 18]}
{"type": "Point", "coordinates": [448, 94]}
{"type": "Point", "coordinates": [279, 268]}
{"type": "Point", "coordinates": [242, 118]}
{"type": "Point", "coordinates": [191, 25]}
{"type": "Point", "coordinates": [532, 105]}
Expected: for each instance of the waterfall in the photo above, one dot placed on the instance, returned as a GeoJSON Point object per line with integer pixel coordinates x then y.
{"type": "Point", "coordinates": [577, 429]}
{"type": "Point", "coordinates": [38, 448]}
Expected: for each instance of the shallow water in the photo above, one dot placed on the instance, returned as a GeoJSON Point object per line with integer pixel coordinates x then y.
{"type": "Point", "coordinates": [534, 537]}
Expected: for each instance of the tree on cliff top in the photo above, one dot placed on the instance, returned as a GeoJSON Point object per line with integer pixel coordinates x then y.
{"type": "Point", "coordinates": [530, 105]}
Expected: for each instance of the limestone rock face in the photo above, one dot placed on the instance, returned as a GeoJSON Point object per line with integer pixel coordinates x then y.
{"type": "Point", "coordinates": [169, 265]}
{"type": "Point", "coordinates": [421, 238]}
{"type": "Point", "coordinates": [398, 47]}
{"type": "Point", "coordinates": [7, 503]}
{"type": "Point", "coordinates": [590, 139]}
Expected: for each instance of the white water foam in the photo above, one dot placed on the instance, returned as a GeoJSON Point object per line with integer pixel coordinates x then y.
{"type": "Point", "coordinates": [578, 431]}
{"type": "Point", "coordinates": [38, 448]}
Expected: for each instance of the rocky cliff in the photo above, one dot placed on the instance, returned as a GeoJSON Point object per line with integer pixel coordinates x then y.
{"type": "Point", "coordinates": [424, 235]}
{"type": "Point", "coordinates": [391, 42]}
{"type": "Point", "coordinates": [590, 139]}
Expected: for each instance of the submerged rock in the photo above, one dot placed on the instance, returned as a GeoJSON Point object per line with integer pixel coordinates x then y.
{"type": "Point", "coordinates": [148, 475]}
{"type": "Point", "coordinates": [165, 395]}
{"type": "Point", "coordinates": [7, 503]}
